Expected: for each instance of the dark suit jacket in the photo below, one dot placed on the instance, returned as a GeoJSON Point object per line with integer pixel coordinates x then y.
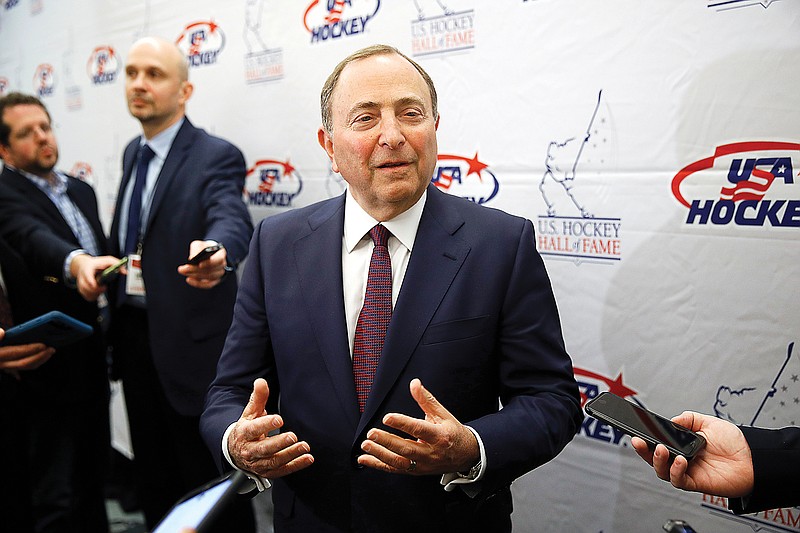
{"type": "Point", "coordinates": [475, 320]}
{"type": "Point", "coordinates": [198, 196]}
{"type": "Point", "coordinates": [776, 462]}
{"type": "Point", "coordinates": [37, 240]}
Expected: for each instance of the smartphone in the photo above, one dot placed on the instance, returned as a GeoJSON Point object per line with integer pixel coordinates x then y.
{"type": "Point", "coordinates": [204, 254]}
{"type": "Point", "coordinates": [107, 275]}
{"type": "Point", "coordinates": [637, 421]}
{"type": "Point", "coordinates": [200, 508]}
{"type": "Point", "coordinates": [54, 329]}
{"type": "Point", "coordinates": [677, 526]}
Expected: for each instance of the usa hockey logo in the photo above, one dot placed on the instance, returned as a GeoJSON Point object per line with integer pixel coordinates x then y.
{"type": "Point", "coordinates": [202, 42]}
{"type": "Point", "coordinates": [759, 188]}
{"type": "Point", "coordinates": [467, 177]}
{"type": "Point", "coordinates": [271, 184]}
{"type": "Point", "coordinates": [44, 82]}
{"type": "Point", "coordinates": [590, 385]}
{"type": "Point", "coordinates": [83, 171]}
{"type": "Point", "coordinates": [102, 66]}
{"type": "Point", "coordinates": [4, 86]}
{"type": "Point", "coordinates": [335, 19]}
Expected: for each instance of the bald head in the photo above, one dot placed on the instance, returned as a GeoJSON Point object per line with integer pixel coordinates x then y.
{"type": "Point", "coordinates": [156, 83]}
{"type": "Point", "coordinates": [169, 51]}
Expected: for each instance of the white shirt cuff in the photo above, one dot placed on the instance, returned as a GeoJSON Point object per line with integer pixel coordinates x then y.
{"type": "Point", "coordinates": [261, 483]}
{"type": "Point", "coordinates": [451, 480]}
{"type": "Point", "coordinates": [69, 281]}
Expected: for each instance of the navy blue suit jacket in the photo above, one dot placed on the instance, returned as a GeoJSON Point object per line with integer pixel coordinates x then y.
{"type": "Point", "coordinates": [37, 240]}
{"type": "Point", "coordinates": [776, 463]}
{"type": "Point", "coordinates": [475, 320]}
{"type": "Point", "coordinates": [40, 239]}
{"type": "Point", "coordinates": [198, 196]}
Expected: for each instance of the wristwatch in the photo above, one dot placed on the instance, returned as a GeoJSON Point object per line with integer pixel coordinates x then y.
{"type": "Point", "coordinates": [472, 473]}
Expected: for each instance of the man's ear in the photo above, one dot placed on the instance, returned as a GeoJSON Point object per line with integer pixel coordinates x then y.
{"type": "Point", "coordinates": [185, 91]}
{"type": "Point", "coordinates": [326, 142]}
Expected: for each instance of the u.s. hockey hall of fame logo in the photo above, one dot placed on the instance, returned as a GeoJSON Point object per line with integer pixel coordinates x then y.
{"type": "Point", "coordinates": [570, 230]}
{"type": "Point", "coordinates": [441, 29]}
{"type": "Point", "coordinates": [773, 404]}
{"type": "Point", "coordinates": [261, 63]}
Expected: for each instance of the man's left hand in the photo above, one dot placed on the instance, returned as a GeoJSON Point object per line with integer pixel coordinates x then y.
{"type": "Point", "coordinates": [441, 444]}
{"type": "Point", "coordinates": [207, 274]}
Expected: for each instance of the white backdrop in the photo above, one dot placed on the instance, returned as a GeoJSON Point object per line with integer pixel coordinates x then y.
{"type": "Point", "coordinates": [655, 146]}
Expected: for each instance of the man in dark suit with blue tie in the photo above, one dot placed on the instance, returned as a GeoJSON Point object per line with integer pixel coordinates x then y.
{"type": "Point", "coordinates": [416, 416]}
{"type": "Point", "coordinates": [54, 413]}
{"type": "Point", "coordinates": [181, 192]}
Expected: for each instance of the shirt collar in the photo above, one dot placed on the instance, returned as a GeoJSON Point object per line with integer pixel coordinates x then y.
{"type": "Point", "coordinates": [162, 142]}
{"type": "Point", "coordinates": [404, 226]}
{"type": "Point", "coordinates": [57, 186]}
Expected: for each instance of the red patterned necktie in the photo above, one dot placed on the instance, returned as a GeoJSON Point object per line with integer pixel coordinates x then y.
{"type": "Point", "coordinates": [5, 311]}
{"type": "Point", "coordinates": [373, 320]}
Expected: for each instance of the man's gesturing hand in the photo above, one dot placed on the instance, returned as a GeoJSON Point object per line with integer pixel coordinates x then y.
{"type": "Point", "coordinates": [440, 444]}
{"type": "Point", "coordinates": [253, 449]}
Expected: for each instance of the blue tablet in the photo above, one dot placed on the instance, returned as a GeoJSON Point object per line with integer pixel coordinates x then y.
{"type": "Point", "coordinates": [54, 329]}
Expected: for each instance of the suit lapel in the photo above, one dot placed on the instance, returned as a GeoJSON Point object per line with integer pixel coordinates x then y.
{"type": "Point", "coordinates": [127, 169]}
{"type": "Point", "coordinates": [436, 259]}
{"type": "Point", "coordinates": [88, 208]}
{"type": "Point", "coordinates": [29, 190]}
{"type": "Point", "coordinates": [320, 271]}
{"type": "Point", "coordinates": [172, 164]}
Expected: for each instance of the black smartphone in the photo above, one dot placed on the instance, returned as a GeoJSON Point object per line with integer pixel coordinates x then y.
{"type": "Point", "coordinates": [54, 329]}
{"type": "Point", "coordinates": [200, 508]}
{"type": "Point", "coordinates": [107, 275]}
{"type": "Point", "coordinates": [204, 254]}
{"type": "Point", "coordinates": [637, 421]}
{"type": "Point", "coordinates": [677, 526]}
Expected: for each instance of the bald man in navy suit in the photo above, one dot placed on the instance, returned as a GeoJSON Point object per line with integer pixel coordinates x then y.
{"type": "Point", "coordinates": [170, 317]}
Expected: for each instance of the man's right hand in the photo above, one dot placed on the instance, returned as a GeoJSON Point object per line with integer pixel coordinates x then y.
{"type": "Point", "coordinates": [253, 450]}
{"type": "Point", "coordinates": [724, 467]}
{"type": "Point", "coordinates": [84, 268]}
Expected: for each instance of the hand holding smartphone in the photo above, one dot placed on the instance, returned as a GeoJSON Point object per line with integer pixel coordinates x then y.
{"type": "Point", "coordinates": [108, 275]}
{"type": "Point", "coordinates": [637, 421]}
{"type": "Point", "coordinates": [204, 254]}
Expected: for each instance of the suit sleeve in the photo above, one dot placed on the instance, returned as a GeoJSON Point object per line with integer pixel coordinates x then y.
{"type": "Point", "coordinates": [42, 249]}
{"type": "Point", "coordinates": [541, 406]}
{"type": "Point", "coordinates": [228, 220]}
{"type": "Point", "coordinates": [776, 462]}
{"type": "Point", "coordinates": [245, 357]}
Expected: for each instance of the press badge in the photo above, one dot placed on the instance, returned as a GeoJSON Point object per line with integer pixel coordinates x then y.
{"type": "Point", "coordinates": [134, 283]}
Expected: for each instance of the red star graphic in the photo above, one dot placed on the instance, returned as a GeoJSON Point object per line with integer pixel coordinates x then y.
{"type": "Point", "coordinates": [475, 166]}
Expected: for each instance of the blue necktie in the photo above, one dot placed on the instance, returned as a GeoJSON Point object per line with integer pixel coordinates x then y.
{"type": "Point", "coordinates": [135, 208]}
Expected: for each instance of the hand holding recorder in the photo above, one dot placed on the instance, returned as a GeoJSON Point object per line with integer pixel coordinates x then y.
{"type": "Point", "coordinates": [206, 266]}
{"type": "Point", "coordinates": [724, 467]}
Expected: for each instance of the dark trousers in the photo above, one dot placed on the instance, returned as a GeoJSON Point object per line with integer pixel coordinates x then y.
{"type": "Point", "coordinates": [54, 454]}
{"type": "Point", "coordinates": [170, 457]}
